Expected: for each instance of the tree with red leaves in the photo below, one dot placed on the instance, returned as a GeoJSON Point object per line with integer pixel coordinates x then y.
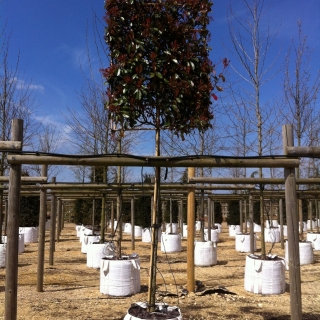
{"type": "Point", "coordinates": [159, 58]}
{"type": "Point", "coordinates": [160, 75]}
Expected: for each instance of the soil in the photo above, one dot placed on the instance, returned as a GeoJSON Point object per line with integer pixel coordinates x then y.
{"type": "Point", "coordinates": [72, 290]}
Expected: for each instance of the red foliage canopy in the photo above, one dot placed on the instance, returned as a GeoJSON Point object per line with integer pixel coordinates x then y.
{"type": "Point", "coordinates": [159, 60]}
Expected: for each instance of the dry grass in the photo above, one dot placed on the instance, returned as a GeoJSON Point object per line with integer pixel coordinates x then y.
{"type": "Point", "coordinates": [71, 289]}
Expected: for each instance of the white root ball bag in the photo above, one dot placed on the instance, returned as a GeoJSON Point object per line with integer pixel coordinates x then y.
{"type": "Point", "coordinates": [120, 277]}
{"type": "Point", "coordinates": [264, 276]}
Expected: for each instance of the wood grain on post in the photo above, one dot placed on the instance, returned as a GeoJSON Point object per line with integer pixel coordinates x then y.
{"type": "Point", "coordinates": [190, 238]}
{"type": "Point", "coordinates": [42, 232]}
{"type": "Point", "coordinates": [13, 229]}
{"type": "Point", "coordinates": [293, 230]}
{"type": "Point", "coordinates": [53, 215]}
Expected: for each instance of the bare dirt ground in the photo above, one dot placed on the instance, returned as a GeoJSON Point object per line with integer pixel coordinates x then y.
{"type": "Point", "coordinates": [71, 289]}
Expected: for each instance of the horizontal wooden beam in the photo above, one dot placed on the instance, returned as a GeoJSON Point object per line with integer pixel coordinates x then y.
{"type": "Point", "coordinates": [312, 152]}
{"type": "Point", "coordinates": [133, 186]}
{"type": "Point", "coordinates": [219, 180]}
{"type": "Point", "coordinates": [135, 161]}
{"type": "Point", "coordinates": [25, 179]}
{"type": "Point", "coordinates": [10, 145]}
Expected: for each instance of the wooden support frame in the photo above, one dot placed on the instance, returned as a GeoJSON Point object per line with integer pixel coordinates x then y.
{"type": "Point", "coordinates": [131, 161]}
{"type": "Point", "coordinates": [289, 162]}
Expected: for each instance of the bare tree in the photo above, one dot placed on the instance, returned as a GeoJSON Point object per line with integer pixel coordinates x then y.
{"type": "Point", "coordinates": [17, 99]}
{"type": "Point", "coordinates": [251, 44]}
{"type": "Point", "coordinates": [300, 90]}
{"type": "Point", "coordinates": [208, 142]}
{"type": "Point", "coordinates": [49, 139]}
{"type": "Point", "coordinates": [239, 130]}
{"type": "Point", "coordinates": [90, 130]}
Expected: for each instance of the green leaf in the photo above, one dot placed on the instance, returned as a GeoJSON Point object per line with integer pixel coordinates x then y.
{"type": "Point", "coordinates": [138, 94]}
{"type": "Point", "coordinates": [159, 75]}
{"type": "Point", "coordinates": [151, 74]}
{"type": "Point", "coordinates": [175, 108]}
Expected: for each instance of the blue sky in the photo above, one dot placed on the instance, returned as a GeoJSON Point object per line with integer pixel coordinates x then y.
{"type": "Point", "coordinates": [51, 38]}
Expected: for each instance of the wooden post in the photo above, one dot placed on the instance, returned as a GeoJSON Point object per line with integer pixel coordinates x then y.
{"type": "Point", "coordinates": [1, 214]}
{"type": "Point", "coordinates": [300, 219]}
{"type": "Point", "coordinates": [6, 216]}
{"type": "Point", "coordinates": [103, 216]}
{"type": "Point", "coordinates": [293, 230]}
{"type": "Point", "coordinates": [112, 218]}
{"type": "Point", "coordinates": [209, 218]}
{"type": "Point", "coordinates": [10, 312]}
{"type": "Point", "coordinates": [281, 223]}
{"type": "Point", "coordinates": [119, 223]}
{"type": "Point", "coordinates": [318, 214]}
{"type": "Point", "coordinates": [62, 217]}
{"type": "Point", "coordinates": [263, 243]}
{"type": "Point", "coordinates": [310, 214]}
{"type": "Point", "coordinates": [251, 224]}
{"type": "Point", "coordinates": [213, 221]}
{"type": "Point", "coordinates": [103, 208]}
{"type": "Point", "coordinates": [170, 222]}
{"type": "Point", "coordinates": [42, 232]}
{"type": "Point", "coordinates": [58, 219]}
{"type": "Point", "coordinates": [132, 225]}
{"type": "Point", "coordinates": [202, 216]}
{"type": "Point", "coordinates": [181, 216]}
{"type": "Point", "coordinates": [245, 217]}
{"type": "Point", "coordinates": [190, 238]}
{"type": "Point", "coordinates": [93, 214]}
{"type": "Point", "coordinates": [53, 215]}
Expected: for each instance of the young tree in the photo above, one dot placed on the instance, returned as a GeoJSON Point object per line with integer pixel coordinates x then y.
{"type": "Point", "coordinates": [251, 44]}
{"type": "Point", "coordinates": [16, 101]}
{"type": "Point", "coordinates": [159, 74]}
{"type": "Point", "coordinates": [300, 90]}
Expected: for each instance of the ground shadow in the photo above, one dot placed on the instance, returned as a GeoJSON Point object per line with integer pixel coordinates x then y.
{"type": "Point", "coordinates": [222, 262]}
